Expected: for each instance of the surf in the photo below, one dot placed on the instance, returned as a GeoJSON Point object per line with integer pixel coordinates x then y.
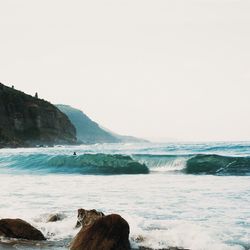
{"type": "Point", "coordinates": [106, 164]}
{"type": "Point", "coordinates": [115, 164]}
{"type": "Point", "coordinates": [218, 165]}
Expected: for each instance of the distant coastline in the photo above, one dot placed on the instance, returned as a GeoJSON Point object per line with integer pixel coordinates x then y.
{"type": "Point", "coordinates": [27, 121]}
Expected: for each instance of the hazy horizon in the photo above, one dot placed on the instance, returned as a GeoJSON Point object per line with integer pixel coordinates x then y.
{"type": "Point", "coordinates": [163, 70]}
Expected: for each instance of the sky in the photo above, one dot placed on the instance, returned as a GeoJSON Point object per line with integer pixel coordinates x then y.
{"type": "Point", "coordinates": [162, 70]}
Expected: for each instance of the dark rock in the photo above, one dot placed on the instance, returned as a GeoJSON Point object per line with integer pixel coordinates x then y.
{"type": "Point", "coordinates": [30, 121]}
{"type": "Point", "coordinates": [20, 229]}
{"type": "Point", "coordinates": [139, 239]}
{"type": "Point", "coordinates": [170, 248]}
{"type": "Point", "coordinates": [54, 218]}
{"type": "Point", "coordinates": [87, 217]}
{"type": "Point", "coordinates": [109, 232]}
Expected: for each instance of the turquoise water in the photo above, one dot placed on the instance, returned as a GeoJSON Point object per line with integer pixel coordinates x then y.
{"type": "Point", "coordinates": [195, 196]}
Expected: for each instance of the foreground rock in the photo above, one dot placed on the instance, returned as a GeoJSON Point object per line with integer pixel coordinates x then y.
{"type": "Point", "coordinates": [109, 232]}
{"type": "Point", "coordinates": [19, 229]}
{"type": "Point", "coordinates": [87, 217]}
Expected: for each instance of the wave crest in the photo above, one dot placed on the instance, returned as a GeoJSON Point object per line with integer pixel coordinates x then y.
{"type": "Point", "coordinates": [109, 164]}
{"type": "Point", "coordinates": [82, 164]}
{"type": "Point", "coordinates": [218, 165]}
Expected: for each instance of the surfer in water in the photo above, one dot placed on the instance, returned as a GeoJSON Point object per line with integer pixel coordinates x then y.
{"type": "Point", "coordinates": [74, 153]}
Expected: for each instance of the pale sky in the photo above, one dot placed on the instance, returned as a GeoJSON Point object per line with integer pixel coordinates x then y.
{"type": "Point", "coordinates": [176, 69]}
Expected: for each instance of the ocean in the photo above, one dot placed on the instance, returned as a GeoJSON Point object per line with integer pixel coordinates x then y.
{"type": "Point", "coordinates": [190, 195]}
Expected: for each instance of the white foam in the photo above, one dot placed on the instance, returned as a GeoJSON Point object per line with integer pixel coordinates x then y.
{"type": "Point", "coordinates": [195, 212]}
{"type": "Point", "coordinates": [171, 166]}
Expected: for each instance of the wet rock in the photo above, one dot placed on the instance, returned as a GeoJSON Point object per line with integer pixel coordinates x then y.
{"type": "Point", "coordinates": [54, 218]}
{"type": "Point", "coordinates": [19, 229]}
{"type": "Point", "coordinates": [109, 232]}
{"type": "Point", "coordinates": [87, 217]}
{"type": "Point", "coordinates": [139, 239]}
{"type": "Point", "coordinates": [170, 248]}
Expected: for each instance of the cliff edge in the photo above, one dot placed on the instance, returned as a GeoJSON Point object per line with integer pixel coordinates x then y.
{"type": "Point", "coordinates": [87, 130]}
{"type": "Point", "coordinates": [30, 121]}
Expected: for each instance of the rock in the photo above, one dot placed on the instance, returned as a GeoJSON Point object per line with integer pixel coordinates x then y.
{"type": "Point", "coordinates": [20, 229]}
{"type": "Point", "coordinates": [109, 232]}
{"type": "Point", "coordinates": [54, 218]}
{"type": "Point", "coordinates": [30, 121]}
{"type": "Point", "coordinates": [170, 248]}
{"type": "Point", "coordinates": [139, 239]}
{"type": "Point", "coordinates": [87, 217]}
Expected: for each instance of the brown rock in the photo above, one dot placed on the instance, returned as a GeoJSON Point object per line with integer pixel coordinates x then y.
{"type": "Point", "coordinates": [20, 229]}
{"type": "Point", "coordinates": [87, 217]}
{"type": "Point", "coordinates": [106, 233]}
{"type": "Point", "coordinates": [170, 248]}
{"type": "Point", "coordinates": [54, 218]}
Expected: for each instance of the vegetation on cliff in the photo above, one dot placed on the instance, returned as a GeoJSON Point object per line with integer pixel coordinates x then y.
{"type": "Point", "coordinates": [28, 121]}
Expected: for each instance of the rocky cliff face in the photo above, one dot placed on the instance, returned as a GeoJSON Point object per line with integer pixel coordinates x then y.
{"type": "Point", "coordinates": [28, 121]}
{"type": "Point", "coordinates": [87, 130]}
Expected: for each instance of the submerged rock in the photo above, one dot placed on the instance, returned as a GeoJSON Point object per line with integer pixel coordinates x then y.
{"type": "Point", "coordinates": [19, 229]}
{"type": "Point", "coordinates": [87, 217]}
{"type": "Point", "coordinates": [54, 218]}
{"type": "Point", "coordinates": [170, 248]}
{"type": "Point", "coordinates": [140, 239]}
{"type": "Point", "coordinates": [109, 232]}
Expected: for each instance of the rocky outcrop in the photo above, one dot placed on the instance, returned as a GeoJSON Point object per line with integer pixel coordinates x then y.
{"type": "Point", "coordinates": [87, 217]}
{"type": "Point", "coordinates": [19, 229]}
{"type": "Point", "coordinates": [109, 232]}
{"type": "Point", "coordinates": [30, 121]}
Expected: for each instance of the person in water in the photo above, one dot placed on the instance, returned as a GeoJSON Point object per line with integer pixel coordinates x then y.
{"type": "Point", "coordinates": [74, 153]}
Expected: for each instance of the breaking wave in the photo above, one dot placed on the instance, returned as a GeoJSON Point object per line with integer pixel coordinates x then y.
{"type": "Point", "coordinates": [82, 164]}
{"type": "Point", "coordinates": [218, 165]}
{"type": "Point", "coordinates": [112, 164]}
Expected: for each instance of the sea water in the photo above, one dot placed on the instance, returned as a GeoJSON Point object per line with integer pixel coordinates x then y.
{"type": "Point", "coordinates": [195, 196]}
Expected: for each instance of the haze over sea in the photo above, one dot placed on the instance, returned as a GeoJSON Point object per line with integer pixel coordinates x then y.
{"type": "Point", "coordinates": [188, 195]}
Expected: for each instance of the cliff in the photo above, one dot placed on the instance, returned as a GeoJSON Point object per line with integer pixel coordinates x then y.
{"type": "Point", "coordinates": [87, 131]}
{"type": "Point", "coordinates": [28, 121]}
